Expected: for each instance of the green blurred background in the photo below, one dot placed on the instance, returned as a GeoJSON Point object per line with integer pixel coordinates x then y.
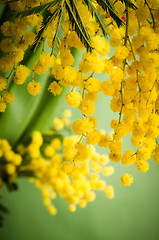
{"type": "Point", "coordinates": [132, 214]}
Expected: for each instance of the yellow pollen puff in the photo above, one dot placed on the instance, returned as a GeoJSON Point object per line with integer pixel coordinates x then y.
{"type": "Point", "coordinates": [94, 176]}
{"type": "Point", "coordinates": [34, 88]}
{"type": "Point", "coordinates": [73, 99]}
{"type": "Point", "coordinates": [58, 123]}
{"type": "Point", "coordinates": [2, 106]}
{"type": "Point", "coordinates": [93, 63]}
{"type": "Point", "coordinates": [128, 157]}
{"type": "Point", "coordinates": [107, 171]}
{"type": "Point", "coordinates": [49, 151]}
{"type": "Point", "coordinates": [91, 96]}
{"type": "Point", "coordinates": [37, 138]}
{"type": "Point", "coordinates": [4, 145]}
{"type": "Point", "coordinates": [107, 88]}
{"type": "Point", "coordinates": [45, 60]}
{"type": "Point", "coordinates": [3, 83]}
{"type": "Point", "coordinates": [52, 210]}
{"type": "Point", "coordinates": [55, 88]}
{"type": "Point", "coordinates": [142, 166]}
{"type": "Point", "coordinates": [9, 156]}
{"type": "Point", "coordinates": [67, 113]}
{"type": "Point", "coordinates": [83, 152]}
{"type": "Point", "coordinates": [115, 156]}
{"type": "Point", "coordinates": [53, 195]}
{"type": "Point", "coordinates": [93, 137]}
{"type": "Point", "coordinates": [104, 159]}
{"type": "Point", "coordinates": [21, 74]}
{"type": "Point", "coordinates": [109, 191]}
{"type": "Point", "coordinates": [89, 196]}
{"type": "Point", "coordinates": [96, 167]}
{"type": "Point", "coordinates": [100, 45]}
{"type": "Point", "coordinates": [93, 85]}
{"type": "Point", "coordinates": [56, 143]}
{"type": "Point", "coordinates": [100, 185]}
{"type": "Point", "coordinates": [82, 203]}
{"type": "Point", "coordinates": [6, 45]}
{"type": "Point", "coordinates": [10, 168]}
{"type": "Point", "coordinates": [82, 126]}
{"type": "Point", "coordinates": [104, 141]}
{"type": "Point", "coordinates": [93, 120]}
{"type": "Point", "coordinates": [87, 107]}
{"type": "Point", "coordinates": [46, 201]}
{"type": "Point", "coordinates": [121, 52]}
{"type": "Point", "coordinates": [126, 180]}
{"type": "Point", "coordinates": [69, 74]}
{"type": "Point", "coordinates": [17, 160]}
{"type": "Point", "coordinates": [17, 55]}
{"type": "Point", "coordinates": [66, 122]}
{"type": "Point", "coordinates": [8, 97]}
{"type": "Point", "coordinates": [72, 208]}
{"type": "Point", "coordinates": [66, 57]}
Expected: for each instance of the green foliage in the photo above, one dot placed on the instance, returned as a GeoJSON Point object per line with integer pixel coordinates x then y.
{"type": "Point", "coordinates": [108, 7]}
{"type": "Point", "coordinates": [58, 37]}
{"type": "Point", "coordinates": [78, 26]}
{"type": "Point", "coordinates": [37, 9]}
{"type": "Point", "coordinates": [98, 17]}
{"type": "Point", "coordinates": [3, 210]}
{"type": "Point", "coordinates": [43, 28]}
{"type": "Point", "coordinates": [74, 17]}
{"type": "Point", "coordinates": [129, 4]}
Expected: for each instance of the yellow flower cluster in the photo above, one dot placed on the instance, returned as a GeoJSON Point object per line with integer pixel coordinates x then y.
{"type": "Point", "coordinates": [58, 165]}
{"type": "Point", "coordinates": [9, 162]}
{"type": "Point", "coordinates": [71, 170]}
{"type": "Point", "coordinates": [131, 79]}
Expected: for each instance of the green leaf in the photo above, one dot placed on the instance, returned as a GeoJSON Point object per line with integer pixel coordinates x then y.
{"type": "Point", "coordinates": [43, 28]}
{"type": "Point", "coordinates": [76, 26]}
{"type": "Point", "coordinates": [58, 37]}
{"type": "Point", "coordinates": [129, 4]}
{"type": "Point", "coordinates": [107, 6]}
{"type": "Point", "coordinates": [78, 17]}
{"type": "Point", "coordinates": [37, 9]}
{"type": "Point", "coordinates": [98, 17]}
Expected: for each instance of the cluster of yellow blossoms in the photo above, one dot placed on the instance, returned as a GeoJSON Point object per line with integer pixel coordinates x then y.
{"type": "Point", "coordinates": [51, 161]}
{"type": "Point", "coordinates": [131, 79]}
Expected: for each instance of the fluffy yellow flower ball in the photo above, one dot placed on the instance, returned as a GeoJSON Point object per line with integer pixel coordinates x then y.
{"type": "Point", "coordinates": [73, 99]}
{"type": "Point", "coordinates": [126, 180]}
{"type": "Point", "coordinates": [55, 88]}
{"type": "Point", "coordinates": [34, 88]}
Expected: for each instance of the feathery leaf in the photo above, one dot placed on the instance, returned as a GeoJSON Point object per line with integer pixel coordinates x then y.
{"type": "Point", "coordinates": [76, 26]}
{"type": "Point", "coordinates": [58, 37]}
{"type": "Point", "coordinates": [98, 17]}
{"type": "Point", "coordinates": [43, 28]}
{"type": "Point", "coordinates": [129, 4]}
{"type": "Point", "coordinates": [37, 9]}
{"type": "Point", "coordinates": [78, 17]}
{"type": "Point", "coordinates": [108, 6]}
